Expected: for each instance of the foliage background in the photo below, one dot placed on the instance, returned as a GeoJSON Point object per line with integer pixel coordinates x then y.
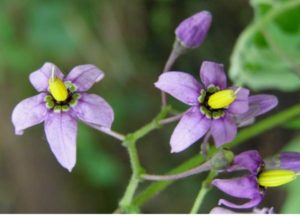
{"type": "Point", "coordinates": [130, 41]}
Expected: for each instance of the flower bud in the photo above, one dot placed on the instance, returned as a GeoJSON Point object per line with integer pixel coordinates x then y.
{"type": "Point", "coordinates": [221, 99]}
{"type": "Point", "coordinates": [222, 159]}
{"type": "Point", "coordinates": [275, 178]}
{"type": "Point", "coordinates": [192, 31]}
{"type": "Point", "coordinates": [57, 89]}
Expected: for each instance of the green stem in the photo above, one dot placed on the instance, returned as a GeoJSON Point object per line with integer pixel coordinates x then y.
{"type": "Point", "coordinates": [205, 188]}
{"type": "Point", "coordinates": [137, 169]}
{"type": "Point", "coordinates": [245, 134]}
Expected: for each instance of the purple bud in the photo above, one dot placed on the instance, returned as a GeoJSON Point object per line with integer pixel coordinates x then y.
{"type": "Point", "coordinates": [192, 31]}
{"type": "Point", "coordinates": [290, 161]}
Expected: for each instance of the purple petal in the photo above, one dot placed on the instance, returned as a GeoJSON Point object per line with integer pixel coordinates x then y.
{"type": "Point", "coordinates": [241, 103]}
{"type": "Point", "coordinates": [255, 201]}
{"type": "Point", "coordinates": [223, 130]}
{"type": "Point", "coordinates": [213, 73]}
{"type": "Point", "coordinates": [220, 210]}
{"type": "Point", "coordinates": [84, 76]}
{"type": "Point", "coordinates": [191, 127]}
{"type": "Point", "coordinates": [258, 105]}
{"type": "Point", "coordinates": [94, 110]}
{"type": "Point", "coordinates": [290, 161]}
{"type": "Point", "coordinates": [192, 31]}
{"type": "Point", "coordinates": [180, 85]}
{"type": "Point", "coordinates": [243, 187]}
{"type": "Point", "coordinates": [61, 132]}
{"type": "Point", "coordinates": [39, 79]}
{"type": "Point", "coordinates": [250, 160]}
{"type": "Point", "coordinates": [29, 112]}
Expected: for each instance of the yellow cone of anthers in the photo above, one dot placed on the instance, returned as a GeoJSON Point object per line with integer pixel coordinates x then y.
{"type": "Point", "coordinates": [275, 178]}
{"type": "Point", "coordinates": [221, 99]}
{"type": "Point", "coordinates": [57, 89]}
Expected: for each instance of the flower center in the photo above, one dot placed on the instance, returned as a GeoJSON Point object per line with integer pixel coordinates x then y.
{"type": "Point", "coordinates": [221, 99]}
{"type": "Point", "coordinates": [57, 89]}
{"type": "Point", "coordinates": [62, 96]}
{"type": "Point", "coordinates": [275, 178]}
{"type": "Point", "coordinates": [213, 101]}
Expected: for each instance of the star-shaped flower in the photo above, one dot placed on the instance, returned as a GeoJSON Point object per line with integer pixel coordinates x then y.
{"type": "Point", "coordinates": [61, 102]}
{"type": "Point", "coordinates": [214, 106]}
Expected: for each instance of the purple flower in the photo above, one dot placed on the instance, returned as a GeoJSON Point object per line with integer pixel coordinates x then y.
{"type": "Point", "coordinates": [289, 161]}
{"type": "Point", "coordinates": [252, 186]}
{"type": "Point", "coordinates": [59, 104]}
{"type": "Point", "coordinates": [214, 107]}
{"type": "Point", "coordinates": [245, 187]}
{"type": "Point", "coordinates": [192, 31]}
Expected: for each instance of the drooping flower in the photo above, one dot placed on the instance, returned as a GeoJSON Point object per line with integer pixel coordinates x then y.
{"type": "Point", "coordinates": [214, 106]}
{"type": "Point", "coordinates": [59, 104]}
{"type": "Point", "coordinates": [252, 186]}
{"type": "Point", "coordinates": [192, 31]}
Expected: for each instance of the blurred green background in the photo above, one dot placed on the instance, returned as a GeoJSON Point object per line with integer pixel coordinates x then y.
{"type": "Point", "coordinates": [130, 41]}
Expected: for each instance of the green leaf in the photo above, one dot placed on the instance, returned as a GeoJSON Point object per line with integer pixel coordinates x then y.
{"type": "Point", "coordinates": [291, 204]}
{"type": "Point", "coordinates": [267, 53]}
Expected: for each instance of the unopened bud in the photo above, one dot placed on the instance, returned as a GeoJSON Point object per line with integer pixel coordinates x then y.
{"type": "Point", "coordinates": [192, 31]}
{"type": "Point", "coordinates": [222, 159]}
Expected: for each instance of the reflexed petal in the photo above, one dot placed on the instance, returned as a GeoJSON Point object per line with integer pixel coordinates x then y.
{"type": "Point", "coordinates": [213, 73]}
{"type": "Point", "coordinates": [241, 103]}
{"type": "Point", "coordinates": [94, 110]}
{"type": "Point", "coordinates": [191, 127]}
{"type": "Point", "coordinates": [258, 105]}
{"type": "Point", "coordinates": [255, 201]}
{"type": "Point", "coordinates": [244, 187]}
{"type": "Point", "coordinates": [250, 160]}
{"type": "Point", "coordinates": [84, 76]}
{"type": "Point", "coordinates": [39, 79]}
{"type": "Point", "coordinates": [223, 130]}
{"type": "Point", "coordinates": [290, 161]}
{"type": "Point", "coordinates": [61, 132]}
{"type": "Point", "coordinates": [180, 85]}
{"type": "Point", "coordinates": [29, 112]}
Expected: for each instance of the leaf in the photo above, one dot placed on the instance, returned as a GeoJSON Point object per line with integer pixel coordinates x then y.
{"type": "Point", "coordinates": [291, 204]}
{"type": "Point", "coordinates": [267, 53]}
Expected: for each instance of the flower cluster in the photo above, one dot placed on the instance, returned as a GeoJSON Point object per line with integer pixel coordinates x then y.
{"type": "Point", "coordinates": [216, 110]}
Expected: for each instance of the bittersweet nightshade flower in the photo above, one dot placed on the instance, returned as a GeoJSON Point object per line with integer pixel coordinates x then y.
{"type": "Point", "coordinates": [253, 185]}
{"type": "Point", "coordinates": [214, 107]}
{"type": "Point", "coordinates": [59, 104]}
{"type": "Point", "coordinates": [192, 31]}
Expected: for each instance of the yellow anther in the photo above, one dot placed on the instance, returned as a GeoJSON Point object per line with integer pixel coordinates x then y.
{"type": "Point", "coordinates": [57, 88]}
{"type": "Point", "coordinates": [275, 178]}
{"type": "Point", "coordinates": [221, 99]}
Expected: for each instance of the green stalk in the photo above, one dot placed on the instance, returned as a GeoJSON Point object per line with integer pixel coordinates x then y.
{"type": "Point", "coordinates": [205, 188]}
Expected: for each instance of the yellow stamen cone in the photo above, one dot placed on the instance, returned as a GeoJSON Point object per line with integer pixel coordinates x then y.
{"type": "Point", "coordinates": [221, 99]}
{"type": "Point", "coordinates": [57, 89]}
{"type": "Point", "coordinates": [275, 178]}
